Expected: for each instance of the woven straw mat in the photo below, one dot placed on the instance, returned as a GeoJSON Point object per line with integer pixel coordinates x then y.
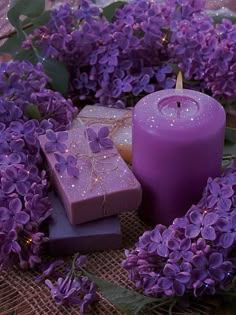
{"type": "Point", "coordinates": [19, 294]}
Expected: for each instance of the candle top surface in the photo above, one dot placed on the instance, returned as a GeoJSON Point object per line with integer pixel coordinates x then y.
{"type": "Point", "coordinates": [178, 110]}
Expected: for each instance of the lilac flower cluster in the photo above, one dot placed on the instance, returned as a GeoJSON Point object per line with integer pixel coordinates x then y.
{"type": "Point", "coordinates": [100, 140]}
{"type": "Point", "coordinates": [96, 141]}
{"type": "Point", "coordinates": [23, 183]}
{"type": "Point", "coordinates": [74, 288]}
{"type": "Point", "coordinates": [195, 253]}
{"type": "Point", "coordinates": [116, 63]}
{"type": "Point", "coordinates": [55, 144]}
{"type": "Point", "coordinates": [23, 85]}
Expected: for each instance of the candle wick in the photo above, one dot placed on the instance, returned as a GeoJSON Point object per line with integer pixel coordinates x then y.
{"type": "Point", "coordinates": [178, 104]}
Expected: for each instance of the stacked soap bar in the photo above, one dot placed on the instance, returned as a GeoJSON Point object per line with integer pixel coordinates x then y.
{"type": "Point", "coordinates": [105, 185]}
{"type": "Point", "coordinates": [67, 239]}
{"type": "Point", "coordinates": [119, 121]}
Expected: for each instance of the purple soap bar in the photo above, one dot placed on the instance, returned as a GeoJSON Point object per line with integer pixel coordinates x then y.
{"type": "Point", "coordinates": [67, 239]}
{"type": "Point", "coordinates": [105, 185]}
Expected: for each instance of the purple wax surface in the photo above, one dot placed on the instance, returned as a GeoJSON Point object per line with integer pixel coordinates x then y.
{"type": "Point", "coordinates": [67, 239]}
{"type": "Point", "coordinates": [178, 139]}
{"type": "Point", "coordinates": [105, 186]}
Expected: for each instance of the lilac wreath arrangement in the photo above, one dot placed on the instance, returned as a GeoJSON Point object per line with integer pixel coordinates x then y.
{"type": "Point", "coordinates": [116, 58]}
{"type": "Point", "coordinates": [23, 182]}
{"type": "Point", "coordinates": [113, 57]}
{"type": "Point", "coordinates": [195, 253]}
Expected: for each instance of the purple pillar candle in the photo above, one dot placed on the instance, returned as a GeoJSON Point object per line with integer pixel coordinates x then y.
{"type": "Point", "coordinates": [178, 138]}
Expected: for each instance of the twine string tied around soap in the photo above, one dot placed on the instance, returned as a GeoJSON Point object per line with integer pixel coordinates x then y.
{"type": "Point", "coordinates": [95, 159]}
{"type": "Point", "coordinates": [116, 123]}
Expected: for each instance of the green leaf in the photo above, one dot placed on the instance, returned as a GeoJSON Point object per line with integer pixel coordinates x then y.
{"type": "Point", "coordinates": [32, 111]}
{"type": "Point", "coordinates": [174, 67]}
{"type": "Point", "coordinates": [58, 73]}
{"type": "Point", "coordinates": [13, 44]}
{"type": "Point", "coordinates": [230, 134]}
{"type": "Point", "coordinates": [191, 82]}
{"type": "Point", "coordinates": [29, 8]}
{"type": "Point", "coordinates": [218, 18]}
{"type": "Point", "coordinates": [109, 11]}
{"type": "Point", "coordinates": [27, 55]}
{"type": "Point", "coordinates": [41, 19]}
{"type": "Point", "coordinates": [125, 300]}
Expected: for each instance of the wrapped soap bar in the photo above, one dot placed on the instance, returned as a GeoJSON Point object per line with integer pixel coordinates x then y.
{"type": "Point", "coordinates": [67, 239]}
{"type": "Point", "coordinates": [90, 185]}
{"type": "Point", "coordinates": [119, 121]}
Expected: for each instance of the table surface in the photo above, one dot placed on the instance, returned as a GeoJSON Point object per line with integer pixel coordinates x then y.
{"type": "Point", "coordinates": [26, 297]}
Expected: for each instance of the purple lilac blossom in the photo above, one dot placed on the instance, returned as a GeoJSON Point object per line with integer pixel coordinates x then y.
{"type": "Point", "coordinates": [23, 182]}
{"type": "Point", "coordinates": [74, 288]}
{"type": "Point", "coordinates": [100, 140]}
{"type": "Point", "coordinates": [66, 164]}
{"type": "Point", "coordinates": [159, 34]}
{"type": "Point", "coordinates": [179, 31]}
{"type": "Point", "coordinates": [15, 180]}
{"type": "Point", "coordinates": [13, 215]}
{"type": "Point", "coordinates": [201, 224]}
{"type": "Point", "coordinates": [70, 290]}
{"type": "Point", "coordinates": [48, 269]}
{"type": "Point", "coordinates": [55, 141]}
{"type": "Point", "coordinates": [193, 255]}
{"type": "Point", "coordinates": [220, 195]}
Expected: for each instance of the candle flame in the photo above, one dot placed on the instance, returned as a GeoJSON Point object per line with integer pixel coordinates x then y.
{"type": "Point", "coordinates": [179, 81]}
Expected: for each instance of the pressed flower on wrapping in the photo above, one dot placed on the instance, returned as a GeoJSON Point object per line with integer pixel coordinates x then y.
{"type": "Point", "coordinates": [55, 141]}
{"type": "Point", "coordinates": [100, 140]}
{"type": "Point", "coordinates": [66, 164]}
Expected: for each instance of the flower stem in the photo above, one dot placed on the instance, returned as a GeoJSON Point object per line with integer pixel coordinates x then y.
{"type": "Point", "coordinates": [171, 306]}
